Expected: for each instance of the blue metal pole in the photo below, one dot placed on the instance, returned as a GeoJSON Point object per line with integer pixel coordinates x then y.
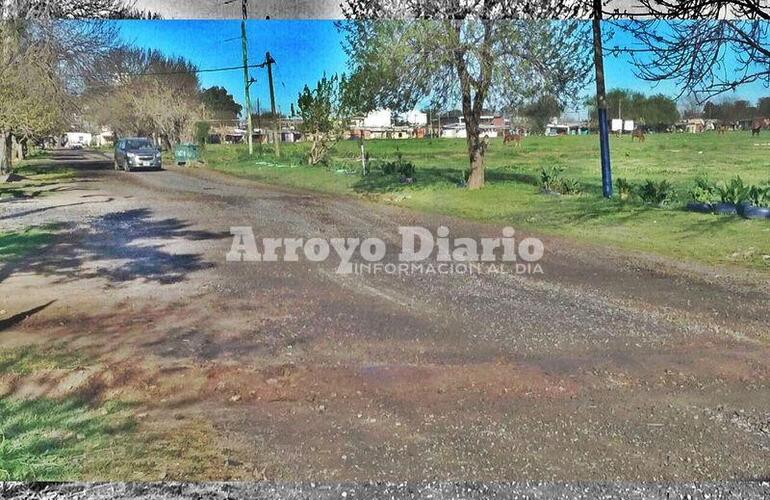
{"type": "Point", "coordinates": [604, 144]}
{"type": "Point", "coordinates": [601, 102]}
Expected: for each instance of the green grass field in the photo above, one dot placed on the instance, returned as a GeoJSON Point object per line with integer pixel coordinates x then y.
{"type": "Point", "coordinates": [512, 196]}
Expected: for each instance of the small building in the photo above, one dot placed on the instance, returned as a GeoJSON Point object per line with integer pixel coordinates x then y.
{"type": "Point", "coordinates": [566, 128]}
{"type": "Point", "coordinates": [72, 139]}
{"type": "Point", "coordinates": [458, 131]}
{"type": "Point", "coordinates": [290, 135]}
{"type": "Point", "coordinates": [691, 125]}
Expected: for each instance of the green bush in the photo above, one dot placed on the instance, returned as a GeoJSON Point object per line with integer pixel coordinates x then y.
{"type": "Point", "coordinates": [202, 131]}
{"type": "Point", "coordinates": [398, 167]}
{"type": "Point", "coordinates": [704, 191]}
{"type": "Point", "coordinates": [625, 189]}
{"type": "Point", "coordinates": [551, 181]}
{"type": "Point", "coordinates": [735, 191]}
{"type": "Point", "coordinates": [549, 177]}
{"type": "Point", "coordinates": [656, 193]}
{"type": "Point", "coordinates": [759, 196]}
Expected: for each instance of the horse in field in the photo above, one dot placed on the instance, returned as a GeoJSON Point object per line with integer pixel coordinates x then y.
{"type": "Point", "coordinates": [722, 129]}
{"type": "Point", "coordinates": [758, 124]}
{"type": "Point", "coordinates": [638, 134]}
{"type": "Point", "coordinates": [516, 138]}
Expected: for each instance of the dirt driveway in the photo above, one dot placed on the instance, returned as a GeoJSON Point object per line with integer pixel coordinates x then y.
{"type": "Point", "coordinates": [606, 366]}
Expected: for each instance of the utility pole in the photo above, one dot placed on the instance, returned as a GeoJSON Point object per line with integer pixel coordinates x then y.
{"type": "Point", "coordinates": [269, 61]}
{"type": "Point", "coordinates": [246, 79]}
{"type": "Point", "coordinates": [601, 102]}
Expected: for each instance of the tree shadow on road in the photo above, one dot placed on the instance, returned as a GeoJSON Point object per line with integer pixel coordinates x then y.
{"type": "Point", "coordinates": [119, 247]}
{"type": "Point", "coordinates": [18, 318]}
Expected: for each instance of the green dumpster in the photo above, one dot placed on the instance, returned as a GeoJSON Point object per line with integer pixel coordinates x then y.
{"type": "Point", "coordinates": [185, 153]}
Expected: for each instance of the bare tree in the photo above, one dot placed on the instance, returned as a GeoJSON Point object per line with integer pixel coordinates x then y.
{"type": "Point", "coordinates": [704, 58]}
{"type": "Point", "coordinates": [464, 51]}
{"type": "Point", "coordinates": [694, 9]}
{"type": "Point", "coordinates": [141, 92]}
{"type": "Point", "coordinates": [71, 9]}
{"type": "Point", "coordinates": [707, 47]}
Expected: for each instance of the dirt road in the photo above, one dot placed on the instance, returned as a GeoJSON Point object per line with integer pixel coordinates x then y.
{"type": "Point", "coordinates": [606, 366]}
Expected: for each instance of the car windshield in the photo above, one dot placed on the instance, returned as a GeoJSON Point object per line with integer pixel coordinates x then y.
{"type": "Point", "coordinates": [138, 144]}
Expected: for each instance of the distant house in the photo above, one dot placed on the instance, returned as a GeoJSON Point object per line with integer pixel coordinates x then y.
{"type": "Point", "coordinates": [288, 135]}
{"type": "Point", "coordinates": [72, 139]}
{"type": "Point", "coordinates": [566, 128]}
{"type": "Point", "coordinates": [104, 138]}
{"type": "Point", "coordinates": [379, 125]}
{"type": "Point", "coordinates": [691, 125]}
{"type": "Point", "coordinates": [458, 131]}
{"type": "Point", "coordinates": [452, 124]}
{"type": "Point", "coordinates": [415, 118]}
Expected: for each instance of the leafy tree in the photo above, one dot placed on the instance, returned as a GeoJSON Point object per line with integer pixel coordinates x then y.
{"type": "Point", "coordinates": [467, 52]}
{"type": "Point", "coordinates": [763, 106]}
{"type": "Point", "coordinates": [325, 115]}
{"type": "Point", "coordinates": [657, 112]}
{"type": "Point", "coordinates": [541, 111]}
{"type": "Point", "coordinates": [730, 110]}
{"type": "Point", "coordinates": [42, 65]}
{"type": "Point", "coordinates": [220, 105]}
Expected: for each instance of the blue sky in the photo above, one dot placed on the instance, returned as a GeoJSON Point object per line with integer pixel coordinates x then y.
{"type": "Point", "coordinates": [304, 50]}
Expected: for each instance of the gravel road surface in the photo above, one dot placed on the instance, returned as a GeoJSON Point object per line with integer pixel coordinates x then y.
{"type": "Point", "coordinates": [606, 366]}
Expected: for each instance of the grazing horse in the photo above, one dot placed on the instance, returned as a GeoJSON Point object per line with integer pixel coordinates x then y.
{"type": "Point", "coordinates": [637, 133]}
{"type": "Point", "coordinates": [757, 125]}
{"type": "Point", "coordinates": [510, 137]}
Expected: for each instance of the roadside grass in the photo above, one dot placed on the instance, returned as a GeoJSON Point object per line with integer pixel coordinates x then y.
{"type": "Point", "coordinates": [24, 360]}
{"type": "Point", "coordinates": [38, 175]}
{"type": "Point", "coordinates": [89, 438]}
{"type": "Point", "coordinates": [49, 440]}
{"type": "Point", "coordinates": [512, 197]}
{"type": "Point", "coordinates": [17, 244]}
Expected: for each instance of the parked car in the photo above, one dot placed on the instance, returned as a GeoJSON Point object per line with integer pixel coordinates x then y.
{"type": "Point", "coordinates": [136, 152]}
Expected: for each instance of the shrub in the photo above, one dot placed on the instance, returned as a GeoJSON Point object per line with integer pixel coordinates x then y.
{"type": "Point", "coordinates": [735, 191]}
{"type": "Point", "coordinates": [548, 178]}
{"type": "Point", "coordinates": [625, 188]}
{"type": "Point", "coordinates": [406, 169]}
{"type": "Point", "coordinates": [202, 130]}
{"type": "Point", "coordinates": [656, 193]}
{"type": "Point", "coordinates": [568, 185]}
{"type": "Point", "coordinates": [704, 190]}
{"type": "Point", "coordinates": [400, 167]}
{"type": "Point", "coordinates": [759, 196]}
{"type": "Point", "coordinates": [551, 181]}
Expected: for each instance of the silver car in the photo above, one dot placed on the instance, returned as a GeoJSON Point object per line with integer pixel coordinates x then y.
{"type": "Point", "coordinates": [136, 152]}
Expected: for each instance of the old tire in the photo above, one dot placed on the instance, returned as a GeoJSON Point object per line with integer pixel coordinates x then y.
{"type": "Point", "coordinates": [725, 209]}
{"type": "Point", "coordinates": [703, 208]}
{"type": "Point", "coordinates": [756, 212]}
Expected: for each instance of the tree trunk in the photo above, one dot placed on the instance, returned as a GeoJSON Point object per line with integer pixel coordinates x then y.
{"type": "Point", "coordinates": [17, 150]}
{"type": "Point", "coordinates": [5, 152]}
{"type": "Point", "coordinates": [476, 150]}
